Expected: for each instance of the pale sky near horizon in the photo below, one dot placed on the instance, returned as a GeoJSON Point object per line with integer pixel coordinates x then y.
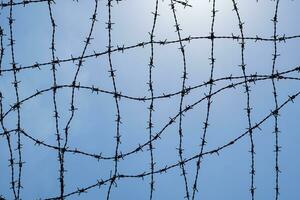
{"type": "Point", "coordinates": [92, 130]}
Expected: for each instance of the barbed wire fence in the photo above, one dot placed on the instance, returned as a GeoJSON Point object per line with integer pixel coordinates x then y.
{"type": "Point", "coordinates": [192, 187]}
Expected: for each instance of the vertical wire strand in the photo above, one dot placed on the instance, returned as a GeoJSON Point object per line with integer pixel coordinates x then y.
{"type": "Point", "coordinates": [54, 91]}
{"type": "Point", "coordinates": [183, 93]}
{"type": "Point", "coordinates": [275, 94]}
{"type": "Point", "coordinates": [151, 106]}
{"type": "Point", "coordinates": [116, 98]}
{"type": "Point", "coordinates": [210, 82]}
{"type": "Point", "coordinates": [17, 104]}
{"type": "Point", "coordinates": [247, 91]}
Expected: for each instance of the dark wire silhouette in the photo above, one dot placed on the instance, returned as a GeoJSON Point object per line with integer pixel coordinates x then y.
{"type": "Point", "coordinates": [192, 189]}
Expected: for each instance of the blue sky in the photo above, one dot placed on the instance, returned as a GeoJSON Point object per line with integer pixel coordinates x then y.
{"type": "Point", "coordinates": [93, 128]}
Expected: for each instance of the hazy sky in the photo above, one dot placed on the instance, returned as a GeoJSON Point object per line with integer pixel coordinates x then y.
{"type": "Point", "coordinates": [93, 128]}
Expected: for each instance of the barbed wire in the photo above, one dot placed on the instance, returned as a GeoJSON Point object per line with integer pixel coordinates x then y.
{"type": "Point", "coordinates": [151, 106]}
{"type": "Point", "coordinates": [209, 101]}
{"type": "Point", "coordinates": [276, 114]}
{"type": "Point", "coordinates": [247, 91]}
{"type": "Point", "coordinates": [62, 146]}
{"type": "Point", "coordinates": [56, 114]}
{"type": "Point", "coordinates": [15, 183]}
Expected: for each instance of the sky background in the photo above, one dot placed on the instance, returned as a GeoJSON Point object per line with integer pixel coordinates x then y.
{"type": "Point", "coordinates": [93, 128]}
